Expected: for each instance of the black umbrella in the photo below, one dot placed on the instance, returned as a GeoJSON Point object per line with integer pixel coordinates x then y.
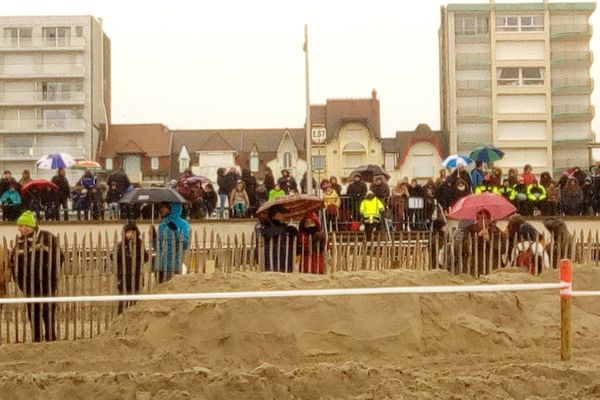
{"type": "Point", "coordinates": [152, 195]}
{"type": "Point", "coordinates": [367, 172]}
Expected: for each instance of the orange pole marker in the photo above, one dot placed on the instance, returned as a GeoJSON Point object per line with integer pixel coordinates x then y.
{"type": "Point", "coordinates": [566, 276]}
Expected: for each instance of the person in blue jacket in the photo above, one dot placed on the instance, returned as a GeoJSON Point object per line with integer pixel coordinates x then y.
{"type": "Point", "coordinates": [11, 203]}
{"type": "Point", "coordinates": [171, 242]}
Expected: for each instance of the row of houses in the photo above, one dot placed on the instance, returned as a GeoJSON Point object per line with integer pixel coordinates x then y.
{"type": "Point", "coordinates": [346, 134]}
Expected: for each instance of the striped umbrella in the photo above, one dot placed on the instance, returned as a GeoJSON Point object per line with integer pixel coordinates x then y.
{"type": "Point", "coordinates": [486, 153]}
{"type": "Point", "coordinates": [455, 160]}
{"type": "Point", "coordinates": [87, 165]}
{"type": "Point", "coordinates": [55, 161]}
{"type": "Point", "coordinates": [290, 207]}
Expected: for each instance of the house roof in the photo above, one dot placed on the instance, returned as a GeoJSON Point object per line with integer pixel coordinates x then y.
{"type": "Point", "coordinates": [406, 139]}
{"type": "Point", "coordinates": [240, 140]}
{"type": "Point", "coordinates": [152, 140]}
{"type": "Point", "coordinates": [338, 112]}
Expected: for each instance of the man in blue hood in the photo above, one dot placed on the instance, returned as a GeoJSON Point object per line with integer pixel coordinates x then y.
{"type": "Point", "coordinates": [172, 241]}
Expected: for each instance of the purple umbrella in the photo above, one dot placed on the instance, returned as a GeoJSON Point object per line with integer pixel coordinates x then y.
{"type": "Point", "coordinates": [196, 179]}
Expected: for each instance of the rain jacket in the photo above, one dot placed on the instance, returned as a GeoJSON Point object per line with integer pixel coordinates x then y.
{"type": "Point", "coordinates": [371, 208]}
{"type": "Point", "coordinates": [10, 198]}
{"type": "Point", "coordinates": [172, 231]}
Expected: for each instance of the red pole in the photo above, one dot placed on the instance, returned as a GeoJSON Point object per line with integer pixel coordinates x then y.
{"type": "Point", "coordinates": [566, 276]}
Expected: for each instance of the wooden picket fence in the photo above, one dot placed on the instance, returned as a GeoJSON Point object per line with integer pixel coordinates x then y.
{"type": "Point", "coordinates": [89, 267]}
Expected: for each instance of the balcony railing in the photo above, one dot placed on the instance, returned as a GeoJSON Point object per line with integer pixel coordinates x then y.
{"type": "Point", "coordinates": [474, 111]}
{"type": "Point", "coordinates": [573, 112]}
{"type": "Point", "coordinates": [41, 42]}
{"type": "Point", "coordinates": [8, 71]}
{"type": "Point", "coordinates": [474, 84]}
{"type": "Point", "coordinates": [572, 85]}
{"type": "Point", "coordinates": [38, 97]}
{"type": "Point", "coordinates": [571, 57]}
{"type": "Point", "coordinates": [570, 31]}
{"type": "Point", "coordinates": [35, 152]}
{"type": "Point", "coordinates": [28, 125]}
{"type": "Point", "coordinates": [472, 60]}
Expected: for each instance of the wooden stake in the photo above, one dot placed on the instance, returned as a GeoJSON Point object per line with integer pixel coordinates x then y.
{"type": "Point", "coordinates": [566, 272]}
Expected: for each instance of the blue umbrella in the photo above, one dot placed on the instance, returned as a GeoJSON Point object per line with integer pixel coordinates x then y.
{"type": "Point", "coordinates": [486, 153]}
{"type": "Point", "coordinates": [455, 160]}
{"type": "Point", "coordinates": [55, 161]}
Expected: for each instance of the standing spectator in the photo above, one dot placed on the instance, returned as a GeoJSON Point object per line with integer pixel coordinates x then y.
{"type": "Point", "coordinates": [513, 176]}
{"type": "Point", "coordinates": [269, 180]}
{"type": "Point", "coordinates": [64, 191]}
{"type": "Point", "coordinates": [11, 203]}
{"type": "Point", "coordinates": [445, 193]}
{"type": "Point", "coordinates": [88, 181]}
{"type": "Point", "coordinates": [415, 190]}
{"type": "Point", "coordinates": [397, 203]}
{"type": "Point", "coordinates": [461, 173]}
{"type": "Point", "coordinates": [223, 194]}
{"type": "Point", "coordinates": [261, 195]}
{"type": "Point", "coordinates": [460, 190]}
{"type": "Point", "coordinates": [311, 244]}
{"type": "Point", "coordinates": [545, 179]}
{"type": "Point", "coordinates": [496, 177]}
{"type": "Point", "coordinates": [209, 199]}
{"type": "Point", "coordinates": [131, 257]}
{"type": "Point", "coordinates": [332, 202]}
{"type": "Point", "coordinates": [356, 191]}
{"type": "Point", "coordinates": [112, 200]}
{"type": "Point", "coordinates": [287, 182]}
{"type": "Point", "coordinates": [95, 203]}
{"type": "Point", "coordinates": [443, 174]}
{"type": "Point", "coordinates": [528, 176]}
{"type": "Point", "coordinates": [429, 195]}
{"type": "Point", "coordinates": [6, 181]}
{"type": "Point", "coordinates": [276, 192]}
{"type": "Point", "coordinates": [571, 198]}
{"type": "Point", "coordinates": [304, 181]}
{"type": "Point", "coordinates": [171, 242]}
{"type": "Point", "coordinates": [81, 202]}
{"type": "Point", "coordinates": [226, 185]}
{"type": "Point", "coordinates": [49, 204]}
{"type": "Point", "coordinates": [371, 208]}
{"type": "Point", "coordinates": [120, 178]}
{"type": "Point", "coordinates": [250, 184]}
{"type": "Point", "coordinates": [335, 185]}
{"type": "Point", "coordinates": [35, 259]}
{"type": "Point", "coordinates": [553, 200]}
{"type": "Point", "coordinates": [477, 175]}
{"type": "Point", "coordinates": [588, 196]}
{"type": "Point", "coordinates": [239, 200]}
{"type": "Point", "coordinates": [25, 177]}
{"type": "Point", "coordinates": [380, 188]}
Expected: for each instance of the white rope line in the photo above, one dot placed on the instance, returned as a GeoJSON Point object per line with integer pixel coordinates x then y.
{"type": "Point", "coordinates": [290, 293]}
{"type": "Point", "coordinates": [584, 293]}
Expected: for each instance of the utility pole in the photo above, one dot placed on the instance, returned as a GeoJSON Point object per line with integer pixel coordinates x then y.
{"type": "Point", "coordinates": [309, 185]}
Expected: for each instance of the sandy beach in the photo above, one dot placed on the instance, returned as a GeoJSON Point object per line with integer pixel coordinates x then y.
{"type": "Point", "coordinates": [451, 346]}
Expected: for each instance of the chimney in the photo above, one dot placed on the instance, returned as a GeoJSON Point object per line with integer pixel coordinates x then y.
{"type": "Point", "coordinates": [374, 94]}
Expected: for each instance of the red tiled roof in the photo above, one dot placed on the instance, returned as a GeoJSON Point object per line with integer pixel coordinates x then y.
{"type": "Point", "coordinates": [153, 140]}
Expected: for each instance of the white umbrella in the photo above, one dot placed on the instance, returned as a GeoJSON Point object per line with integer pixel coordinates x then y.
{"type": "Point", "coordinates": [455, 160]}
{"type": "Point", "coordinates": [55, 161]}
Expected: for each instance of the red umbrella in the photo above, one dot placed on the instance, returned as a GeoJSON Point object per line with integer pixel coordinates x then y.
{"type": "Point", "coordinates": [469, 206]}
{"type": "Point", "coordinates": [38, 184]}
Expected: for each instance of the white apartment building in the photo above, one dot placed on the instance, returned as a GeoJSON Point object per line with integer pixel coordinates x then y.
{"type": "Point", "coordinates": [517, 75]}
{"type": "Point", "coordinates": [54, 88]}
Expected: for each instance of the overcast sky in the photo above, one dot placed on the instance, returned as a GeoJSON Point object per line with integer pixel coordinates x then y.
{"type": "Point", "coordinates": [239, 63]}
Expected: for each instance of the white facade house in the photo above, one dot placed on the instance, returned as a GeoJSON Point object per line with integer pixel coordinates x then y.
{"type": "Point", "coordinates": [54, 88]}
{"type": "Point", "coordinates": [288, 158]}
{"type": "Point", "coordinates": [517, 75]}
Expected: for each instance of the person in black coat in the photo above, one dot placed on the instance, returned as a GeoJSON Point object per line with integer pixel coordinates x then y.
{"type": "Point", "coordinates": [250, 183]}
{"type": "Point", "coordinates": [304, 181]}
{"type": "Point", "coordinates": [64, 191]}
{"type": "Point", "coordinates": [380, 189]}
{"type": "Point", "coordinates": [278, 251]}
{"type": "Point", "coordinates": [287, 182]}
{"type": "Point", "coordinates": [121, 179]}
{"type": "Point", "coordinates": [209, 198]}
{"type": "Point", "coordinates": [356, 191]}
{"type": "Point", "coordinates": [130, 259]}
{"type": "Point", "coordinates": [461, 173]}
{"type": "Point", "coordinates": [269, 181]}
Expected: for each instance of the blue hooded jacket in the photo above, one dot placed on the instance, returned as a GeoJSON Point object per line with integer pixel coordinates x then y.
{"type": "Point", "coordinates": [10, 198]}
{"type": "Point", "coordinates": [168, 254]}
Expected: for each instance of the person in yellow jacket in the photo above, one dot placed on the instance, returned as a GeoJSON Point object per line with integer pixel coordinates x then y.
{"type": "Point", "coordinates": [370, 210]}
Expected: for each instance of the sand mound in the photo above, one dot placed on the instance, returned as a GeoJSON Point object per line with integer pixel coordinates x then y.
{"type": "Point", "coordinates": [493, 345]}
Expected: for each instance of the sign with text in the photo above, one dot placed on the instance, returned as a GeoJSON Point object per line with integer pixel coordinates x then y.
{"type": "Point", "coordinates": [318, 135]}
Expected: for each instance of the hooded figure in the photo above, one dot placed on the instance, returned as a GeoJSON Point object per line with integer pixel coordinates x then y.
{"type": "Point", "coordinates": [311, 244]}
{"type": "Point", "coordinates": [130, 259]}
{"type": "Point", "coordinates": [172, 241]}
{"type": "Point", "coordinates": [370, 210]}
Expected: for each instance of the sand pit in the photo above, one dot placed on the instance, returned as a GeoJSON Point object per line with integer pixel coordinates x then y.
{"type": "Point", "coordinates": [453, 346]}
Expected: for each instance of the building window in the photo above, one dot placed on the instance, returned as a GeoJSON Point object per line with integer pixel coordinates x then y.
{"type": "Point", "coordinates": [56, 36]}
{"type": "Point", "coordinates": [79, 31]}
{"type": "Point", "coordinates": [184, 164]}
{"type": "Point", "coordinates": [287, 160]}
{"type": "Point", "coordinates": [470, 26]}
{"type": "Point", "coordinates": [390, 161]}
{"type": "Point", "coordinates": [520, 76]}
{"type": "Point", "coordinates": [154, 163]}
{"type": "Point", "coordinates": [254, 163]}
{"type": "Point", "coordinates": [354, 155]}
{"type": "Point", "coordinates": [318, 163]}
{"type": "Point", "coordinates": [525, 23]}
{"type": "Point", "coordinates": [108, 164]}
{"type": "Point", "coordinates": [58, 91]}
{"type": "Point", "coordinates": [18, 37]}
{"type": "Point", "coordinates": [19, 146]}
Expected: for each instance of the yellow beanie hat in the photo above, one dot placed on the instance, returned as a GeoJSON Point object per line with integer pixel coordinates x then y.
{"type": "Point", "coordinates": [27, 219]}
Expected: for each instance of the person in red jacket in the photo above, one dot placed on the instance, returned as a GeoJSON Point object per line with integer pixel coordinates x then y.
{"type": "Point", "coordinates": [528, 176]}
{"type": "Point", "coordinates": [311, 244]}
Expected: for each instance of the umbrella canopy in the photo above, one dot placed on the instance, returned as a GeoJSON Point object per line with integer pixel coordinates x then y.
{"type": "Point", "coordinates": [152, 195]}
{"type": "Point", "coordinates": [291, 207]}
{"type": "Point", "coordinates": [55, 161]}
{"type": "Point", "coordinates": [38, 184]}
{"type": "Point", "coordinates": [87, 165]}
{"type": "Point", "coordinates": [197, 178]}
{"type": "Point", "coordinates": [455, 160]}
{"type": "Point", "coordinates": [469, 206]}
{"type": "Point", "coordinates": [368, 172]}
{"type": "Point", "coordinates": [486, 153]}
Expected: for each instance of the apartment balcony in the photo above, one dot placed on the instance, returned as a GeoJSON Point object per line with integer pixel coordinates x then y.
{"type": "Point", "coordinates": [572, 59]}
{"type": "Point", "coordinates": [479, 38]}
{"type": "Point", "coordinates": [465, 61]}
{"type": "Point", "coordinates": [573, 113]}
{"type": "Point", "coordinates": [9, 99]}
{"type": "Point", "coordinates": [41, 125]}
{"type": "Point", "coordinates": [35, 152]}
{"type": "Point", "coordinates": [41, 43]}
{"type": "Point", "coordinates": [473, 87]}
{"type": "Point", "coordinates": [572, 86]}
{"type": "Point", "coordinates": [474, 114]}
{"type": "Point", "coordinates": [32, 71]}
{"type": "Point", "coordinates": [571, 32]}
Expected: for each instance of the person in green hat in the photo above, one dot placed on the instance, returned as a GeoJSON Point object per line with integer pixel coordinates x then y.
{"type": "Point", "coordinates": [35, 260]}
